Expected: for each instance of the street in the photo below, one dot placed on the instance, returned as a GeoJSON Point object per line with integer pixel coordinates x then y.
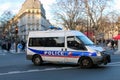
{"type": "Point", "coordinates": [65, 31]}
{"type": "Point", "coordinates": [14, 66]}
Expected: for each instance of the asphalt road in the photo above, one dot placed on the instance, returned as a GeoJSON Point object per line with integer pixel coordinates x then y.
{"type": "Point", "coordinates": [16, 67]}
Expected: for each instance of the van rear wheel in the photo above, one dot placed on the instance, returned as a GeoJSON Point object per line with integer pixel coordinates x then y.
{"type": "Point", "coordinates": [37, 60]}
{"type": "Point", "coordinates": [85, 62]}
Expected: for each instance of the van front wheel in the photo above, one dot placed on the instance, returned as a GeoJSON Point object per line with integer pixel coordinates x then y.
{"type": "Point", "coordinates": [85, 62]}
{"type": "Point", "coordinates": [37, 60]}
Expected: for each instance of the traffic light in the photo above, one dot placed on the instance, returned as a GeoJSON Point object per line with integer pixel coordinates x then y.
{"type": "Point", "coordinates": [16, 30]}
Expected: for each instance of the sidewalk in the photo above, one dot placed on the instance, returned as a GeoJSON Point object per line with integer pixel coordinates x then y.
{"type": "Point", "coordinates": [18, 52]}
{"type": "Point", "coordinates": [11, 51]}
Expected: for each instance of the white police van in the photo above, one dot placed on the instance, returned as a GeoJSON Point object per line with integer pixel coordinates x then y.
{"type": "Point", "coordinates": [65, 47]}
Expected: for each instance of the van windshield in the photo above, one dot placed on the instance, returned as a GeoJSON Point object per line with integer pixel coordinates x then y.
{"type": "Point", "coordinates": [85, 40]}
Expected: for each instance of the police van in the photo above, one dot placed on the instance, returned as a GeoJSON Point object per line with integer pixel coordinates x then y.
{"type": "Point", "coordinates": [64, 46]}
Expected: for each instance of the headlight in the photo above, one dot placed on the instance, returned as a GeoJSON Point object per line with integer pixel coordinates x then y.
{"type": "Point", "coordinates": [98, 53]}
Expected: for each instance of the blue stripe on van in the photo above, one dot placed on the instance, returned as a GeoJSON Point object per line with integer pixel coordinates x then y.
{"type": "Point", "coordinates": [62, 53]}
{"type": "Point", "coordinates": [36, 51]}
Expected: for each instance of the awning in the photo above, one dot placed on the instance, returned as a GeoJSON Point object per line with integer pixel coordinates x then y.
{"type": "Point", "coordinates": [117, 37]}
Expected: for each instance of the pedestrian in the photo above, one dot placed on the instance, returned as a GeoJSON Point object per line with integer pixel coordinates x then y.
{"type": "Point", "coordinates": [112, 44]}
{"type": "Point", "coordinates": [109, 44]}
{"type": "Point", "coordinates": [9, 46]}
{"type": "Point", "coordinates": [23, 45]}
{"type": "Point", "coordinates": [4, 46]}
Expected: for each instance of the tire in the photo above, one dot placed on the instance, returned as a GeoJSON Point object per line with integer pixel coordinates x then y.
{"type": "Point", "coordinates": [85, 62]}
{"type": "Point", "coordinates": [37, 60]}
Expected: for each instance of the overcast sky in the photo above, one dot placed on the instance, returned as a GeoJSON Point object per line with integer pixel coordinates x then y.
{"type": "Point", "coordinates": [117, 4]}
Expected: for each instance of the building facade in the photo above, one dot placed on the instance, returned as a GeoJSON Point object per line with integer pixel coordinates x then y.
{"type": "Point", "coordinates": [31, 17]}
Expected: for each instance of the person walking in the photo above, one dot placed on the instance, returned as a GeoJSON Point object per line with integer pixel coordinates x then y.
{"type": "Point", "coordinates": [23, 45]}
{"type": "Point", "coordinates": [9, 46]}
{"type": "Point", "coordinates": [112, 44]}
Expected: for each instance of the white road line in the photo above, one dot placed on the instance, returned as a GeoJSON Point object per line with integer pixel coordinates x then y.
{"type": "Point", "coordinates": [14, 72]}
{"type": "Point", "coordinates": [114, 63]}
{"type": "Point", "coordinates": [34, 70]}
{"type": "Point", "coordinates": [49, 69]}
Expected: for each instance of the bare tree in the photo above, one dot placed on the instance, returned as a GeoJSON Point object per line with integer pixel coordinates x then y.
{"type": "Point", "coordinates": [71, 11]}
{"type": "Point", "coordinates": [5, 17]}
{"type": "Point", "coordinates": [4, 21]}
{"type": "Point", "coordinates": [95, 10]}
{"type": "Point", "coordinates": [68, 12]}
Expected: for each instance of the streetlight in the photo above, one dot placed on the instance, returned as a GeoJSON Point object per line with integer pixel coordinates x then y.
{"type": "Point", "coordinates": [16, 32]}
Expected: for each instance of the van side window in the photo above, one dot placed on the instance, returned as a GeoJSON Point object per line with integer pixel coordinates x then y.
{"type": "Point", "coordinates": [74, 43]}
{"type": "Point", "coordinates": [34, 42]}
{"type": "Point", "coordinates": [47, 42]}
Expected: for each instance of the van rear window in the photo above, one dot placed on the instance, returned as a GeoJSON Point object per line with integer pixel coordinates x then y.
{"type": "Point", "coordinates": [47, 42]}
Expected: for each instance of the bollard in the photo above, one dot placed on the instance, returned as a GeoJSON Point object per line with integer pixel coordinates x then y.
{"type": "Point", "coordinates": [19, 47]}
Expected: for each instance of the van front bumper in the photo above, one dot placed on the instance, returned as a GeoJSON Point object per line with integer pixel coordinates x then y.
{"type": "Point", "coordinates": [104, 59]}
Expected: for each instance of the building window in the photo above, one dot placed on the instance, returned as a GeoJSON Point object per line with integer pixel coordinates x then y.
{"type": "Point", "coordinates": [28, 16]}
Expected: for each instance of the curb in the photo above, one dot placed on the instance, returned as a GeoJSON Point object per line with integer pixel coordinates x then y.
{"type": "Point", "coordinates": [14, 52]}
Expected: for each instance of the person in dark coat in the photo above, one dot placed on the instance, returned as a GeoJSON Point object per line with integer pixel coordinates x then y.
{"type": "Point", "coordinates": [4, 46]}
{"type": "Point", "coordinates": [23, 45]}
{"type": "Point", "coordinates": [112, 44]}
{"type": "Point", "coordinates": [8, 46]}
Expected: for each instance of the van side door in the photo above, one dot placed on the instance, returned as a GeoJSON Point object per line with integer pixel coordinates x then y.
{"type": "Point", "coordinates": [74, 49]}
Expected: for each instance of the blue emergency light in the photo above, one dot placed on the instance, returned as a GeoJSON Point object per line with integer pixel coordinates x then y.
{"type": "Point", "coordinates": [55, 28]}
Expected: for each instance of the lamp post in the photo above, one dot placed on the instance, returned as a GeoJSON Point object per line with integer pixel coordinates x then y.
{"type": "Point", "coordinates": [16, 32]}
{"type": "Point", "coordinates": [87, 27]}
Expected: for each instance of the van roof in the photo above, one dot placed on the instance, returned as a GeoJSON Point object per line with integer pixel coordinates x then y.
{"type": "Point", "coordinates": [55, 33]}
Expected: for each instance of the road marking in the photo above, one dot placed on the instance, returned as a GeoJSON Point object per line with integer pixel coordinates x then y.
{"type": "Point", "coordinates": [49, 69]}
{"type": "Point", "coordinates": [34, 70]}
{"type": "Point", "coordinates": [114, 63]}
